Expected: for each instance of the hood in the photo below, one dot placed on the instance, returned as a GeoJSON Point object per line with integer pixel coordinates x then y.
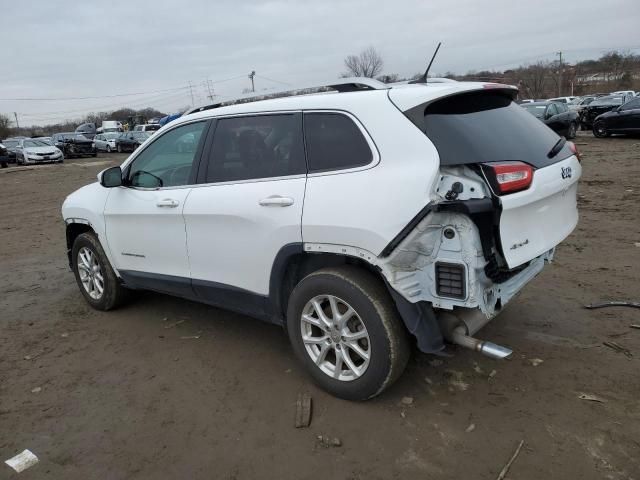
{"type": "Point", "coordinates": [47, 149]}
{"type": "Point", "coordinates": [77, 140]}
{"type": "Point", "coordinates": [608, 114]}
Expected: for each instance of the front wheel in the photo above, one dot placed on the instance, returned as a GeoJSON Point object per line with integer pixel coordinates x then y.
{"type": "Point", "coordinates": [600, 130]}
{"type": "Point", "coordinates": [108, 148]}
{"type": "Point", "coordinates": [119, 148]}
{"type": "Point", "coordinates": [344, 327]}
{"type": "Point", "coordinates": [94, 275]}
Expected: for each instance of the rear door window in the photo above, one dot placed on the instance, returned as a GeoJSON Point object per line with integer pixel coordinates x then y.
{"type": "Point", "coordinates": [486, 126]}
{"type": "Point", "coordinates": [253, 147]}
{"type": "Point", "coordinates": [334, 142]}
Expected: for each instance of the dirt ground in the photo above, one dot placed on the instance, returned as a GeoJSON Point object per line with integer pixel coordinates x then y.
{"type": "Point", "coordinates": [126, 394]}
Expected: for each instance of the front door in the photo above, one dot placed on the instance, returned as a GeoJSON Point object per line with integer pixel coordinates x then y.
{"type": "Point", "coordinates": [247, 208]}
{"type": "Point", "coordinates": [145, 227]}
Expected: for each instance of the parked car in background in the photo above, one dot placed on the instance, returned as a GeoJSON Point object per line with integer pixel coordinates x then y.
{"type": "Point", "coordinates": [579, 103]}
{"type": "Point", "coordinates": [74, 144]}
{"type": "Point", "coordinates": [562, 99]}
{"type": "Point", "coordinates": [4, 156]}
{"type": "Point", "coordinates": [624, 119]}
{"type": "Point", "coordinates": [11, 144]}
{"type": "Point", "coordinates": [129, 141]}
{"type": "Point", "coordinates": [169, 118]}
{"type": "Point", "coordinates": [631, 93]}
{"type": "Point", "coordinates": [46, 140]}
{"type": "Point", "coordinates": [110, 126]}
{"type": "Point", "coordinates": [556, 116]}
{"type": "Point", "coordinates": [87, 129]}
{"type": "Point", "coordinates": [31, 151]}
{"type": "Point", "coordinates": [106, 142]}
{"type": "Point", "coordinates": [599, 106]}
{"type": "Point", "coordinates": [147, 127]}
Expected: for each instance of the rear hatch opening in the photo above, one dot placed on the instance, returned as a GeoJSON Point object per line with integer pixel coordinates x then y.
{"type": "Point", "coordinates": [531, 172]}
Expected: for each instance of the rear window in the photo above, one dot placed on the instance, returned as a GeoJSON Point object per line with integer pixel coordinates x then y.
{"type": "Point", "coordinates": [334, 142]}
{"type": "Point", "coordinates": [479, 127]}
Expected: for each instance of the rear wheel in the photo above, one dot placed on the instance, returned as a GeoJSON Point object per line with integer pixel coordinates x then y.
{"type": "Point", "coordinates": [344, 327]}
{"type": "Point", "coordinates": [119, 148]}
{"type": "Point", "coordinates": [94, 275]}
{"type": "Point", "coordinates": [108, 148]}
{"type": "Point", "coordinates": [571, 132]}
{"type": "Point", "coordinates": [600, 130]}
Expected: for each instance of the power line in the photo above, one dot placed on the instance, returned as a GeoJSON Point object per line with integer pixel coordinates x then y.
{"type": "Point", "coordinates": [24, 99]}
{"type": "Point", "coordinates": [272, 80]}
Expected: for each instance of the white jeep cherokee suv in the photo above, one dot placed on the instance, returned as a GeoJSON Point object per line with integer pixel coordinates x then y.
{"type": "Point", "coordinates": [356, 217]}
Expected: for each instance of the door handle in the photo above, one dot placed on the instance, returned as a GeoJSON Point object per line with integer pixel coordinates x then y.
{"type": "Point", "coordinates": [168, 202]}
{"type": "Point", "coordinates": [276, 201]}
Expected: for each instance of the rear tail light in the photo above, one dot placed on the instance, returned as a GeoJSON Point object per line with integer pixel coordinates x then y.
{"type": "Point", "coordinates": [508, 177]}
{"type": "Point", "coordinates": [574, 150]}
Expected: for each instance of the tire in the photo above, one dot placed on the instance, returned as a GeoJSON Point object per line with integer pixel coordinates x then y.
{"type": "Point", "coordinates": [376, 318]}
{"type": "Point", "coordinates": [113, 293]}
{"type": "Point", "coordinates": [571, 132]}
{"type": "Point", "coordinates": [599, 130]}
{"type": "Point", "coordinates": [108, 148]}
{"type": "Point", "coordinates": [119, 148]}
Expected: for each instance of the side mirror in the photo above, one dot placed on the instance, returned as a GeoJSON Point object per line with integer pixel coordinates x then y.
{"type": "Point", "coordinates": [111, 177]}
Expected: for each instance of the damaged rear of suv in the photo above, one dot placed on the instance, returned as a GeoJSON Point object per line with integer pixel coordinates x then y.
{"type": "Point", "coordinates": [354, 218]}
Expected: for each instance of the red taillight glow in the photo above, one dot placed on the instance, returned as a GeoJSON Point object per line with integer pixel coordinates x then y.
{"type": "Point", "coordinates": [574, 150]}
{"type": "Point", "coordinates": [510, 177]}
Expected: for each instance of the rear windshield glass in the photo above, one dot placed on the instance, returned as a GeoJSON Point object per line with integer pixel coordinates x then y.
{"type": "Point", "coordinates": [480, 127]}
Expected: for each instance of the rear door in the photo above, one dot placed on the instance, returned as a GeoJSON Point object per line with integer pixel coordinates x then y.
{"type": "Point", "coordinates": [247, 207]}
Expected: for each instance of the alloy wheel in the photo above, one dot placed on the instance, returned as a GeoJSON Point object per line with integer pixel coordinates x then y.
{"type": "Point", "coordinates": [90, 273]}
{"type": "Point", "coordinates": [335, 337]}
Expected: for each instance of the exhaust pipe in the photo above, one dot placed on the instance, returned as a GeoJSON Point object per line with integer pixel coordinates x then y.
{"type": "Point", "coordinates": [459, 336]}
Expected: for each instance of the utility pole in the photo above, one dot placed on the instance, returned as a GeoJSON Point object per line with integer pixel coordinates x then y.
{"type": "Point", "coordinates": [16, 115]}
{"type": "Point", "coordinates": [559, 74]}
{"type": "Point", "coordinates": [251, 75]}
{"type": "Point", "coordinates": [191, 92]}
{"type": "Point", "coordinates": [210, 90]}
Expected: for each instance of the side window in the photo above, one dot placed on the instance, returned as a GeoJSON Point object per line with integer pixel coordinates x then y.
{"type": "Point", "coordinates": [631, 105]}
{"type": "Point", "coordinates": [552, 110]}
{"type": "Point", "coordinates": [167, 161]}
{"type": "Point", "coordinates": [561, 107]}
{"type": "Point", "coordinates": [334, 142]}
{"type": "Point", "coordinates": [261, 146]}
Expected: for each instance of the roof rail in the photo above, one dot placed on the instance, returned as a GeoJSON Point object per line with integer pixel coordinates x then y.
{"type": "Point", "coordinates": [350, 84]}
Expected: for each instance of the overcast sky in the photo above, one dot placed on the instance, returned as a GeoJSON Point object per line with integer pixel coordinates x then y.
{"type": "Point", "coordinates": [64, 48]}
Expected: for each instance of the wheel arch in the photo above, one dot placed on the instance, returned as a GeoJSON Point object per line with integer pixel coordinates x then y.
{"type": "Point", "coordinates": [76, 227]}
{"type": "Point", "coordinates": [293, 263]}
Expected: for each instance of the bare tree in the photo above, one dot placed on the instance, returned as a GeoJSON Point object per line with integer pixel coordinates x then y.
{"type": "Point", "coordinates": [367, 63]}
{"type": "Point", "coordinates": [533, 79]}
{"type": "Point", "coordinates": [4, 126]}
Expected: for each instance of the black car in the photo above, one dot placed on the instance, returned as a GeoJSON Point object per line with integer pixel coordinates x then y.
{"type": "Point", "coordinates": [11, 145]}
{"type": "Point", "coordinates": [129, 141]}
{"type": "Point", "coordinates": [624, 119]}
{"type": "Point", "coordinates": [88, 130]}
{"type": "Point", "coordinates": [4, 157]}
{"type": "Point", "coordinates": [556, 116]}
{"type": "Point", "coordinates": [599, 106]}
{"type": "Point", "coordinates": [74, 144]}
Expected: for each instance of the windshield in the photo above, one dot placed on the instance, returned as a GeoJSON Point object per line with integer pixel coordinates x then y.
{"type": "Point", "coordinates": [141, 135]}
{"type": "Point", "coordinates": [111, 136]}
{"type": "Point", "coordinates": [480, 127]}
{"type": "Point", "coordinates": [536, 110]}
{"type": "Point", "coordinates": [10, 143]}
{"type": "Point", "coordinates": [607, 101]}
{"type": "Point", "coordinates": [35, 143]}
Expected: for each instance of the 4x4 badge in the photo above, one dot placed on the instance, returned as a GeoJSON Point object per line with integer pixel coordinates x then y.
{"type": "Point", "coordinates": [566, 172]}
